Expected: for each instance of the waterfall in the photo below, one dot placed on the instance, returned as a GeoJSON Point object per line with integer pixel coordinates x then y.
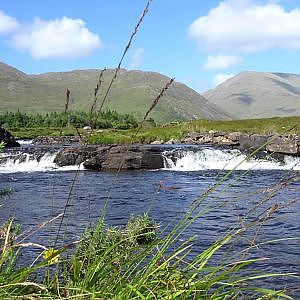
{"type": "Point", "coordinates": [25, 162]}
{"type": "Point", "coordinates": [200, 158]}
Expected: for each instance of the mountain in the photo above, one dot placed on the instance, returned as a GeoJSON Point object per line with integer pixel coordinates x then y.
{"type": "Point", "coordinates": [258, 95]}
{"type": "Point", "coordinates": [132, 92]}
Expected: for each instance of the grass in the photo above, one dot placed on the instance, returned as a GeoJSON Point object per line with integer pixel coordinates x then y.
{"type": "Point", "coordinates": [179, 131]}
{"type": "Point", "coordinates": [175, 131]}
{"type": "Point", "coordinates": [30, 133]}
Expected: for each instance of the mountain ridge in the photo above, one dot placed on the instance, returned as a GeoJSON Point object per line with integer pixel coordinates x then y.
{"type": "Point", "coordinates": [252, 94]}
{"type": "Point", "coordinates": [133, 92]}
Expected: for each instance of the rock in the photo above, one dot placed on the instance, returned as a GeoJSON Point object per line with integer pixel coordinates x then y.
{"type": "Point", "coordinates": [157, 142]}
{"type": "Point", "coordinates": [76, 155]}
{"type": "Point", "coordinates": [252, 142]}
{"type": "Point", "coordinates": [213, 138]}
{"type": "Point", "coordinates": [8, 139]}
{"type": "Point", "coordinates": [58, 140]}
{"type": "Point", "coordinates": [172, 142]}
{"type": "Point", "coordinates": [285, 145]}
{"type": "Point", "coordinates": [133, 158]}
{"type": "Point", "coordinates": [112, 157]}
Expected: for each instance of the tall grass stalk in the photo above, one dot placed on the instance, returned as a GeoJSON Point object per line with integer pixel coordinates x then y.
{"type": "Point", "coordinates": [135, 31]}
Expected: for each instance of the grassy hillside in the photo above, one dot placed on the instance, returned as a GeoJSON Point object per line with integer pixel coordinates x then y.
{"type": "Point", "coordinates": [132, 92]}
{"type": "Point", "coordinates": [258, 95]}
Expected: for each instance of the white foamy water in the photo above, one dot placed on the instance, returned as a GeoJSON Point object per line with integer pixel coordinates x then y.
{"type": "Point", "coordinates": [29, 164]}
{"type": "Point", "coordinates": [215, 159]}
{"type": "Point", "coordinates": [24, 142]}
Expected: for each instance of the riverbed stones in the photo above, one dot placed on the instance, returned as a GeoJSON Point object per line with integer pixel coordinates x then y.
{"type": "Point", "coordinates": [8, 139]}
{"type": "Point", "coordinates": [289, 145]}
{"type": "Point", "coordinates": [212, 137]}
{"type": "Point", "coordinates": [58, 140]}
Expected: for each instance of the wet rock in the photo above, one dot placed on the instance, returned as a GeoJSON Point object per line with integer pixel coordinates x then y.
{"type": "Point", "coordinates": [74, 155]}
{"type": "Point", "coordinates": [253, 141]}
{"type": "Point", "coordinates": [112, 157]}
{"type": "Point", "coordinates": [285, 145]}
{"type": "Point", "coordinates": [8, 139]}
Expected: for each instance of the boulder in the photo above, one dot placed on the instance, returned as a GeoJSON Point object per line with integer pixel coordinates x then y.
{"type": "Point", "coordinates": [285, 145]}
{"type": "Point", "coordinates": [253, 141]}
{"type": "Point", "coordinates": [76, 155]}
{"type": "Point", "coordinates": [8, 139]}
{"type": "Point", "coordinates": [112, 157]}
{"type": "Point", "coordinates": [134, 157]}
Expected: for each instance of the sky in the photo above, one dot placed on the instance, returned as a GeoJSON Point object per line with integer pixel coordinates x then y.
{"type": "Point", "coordinates": [200, 43]}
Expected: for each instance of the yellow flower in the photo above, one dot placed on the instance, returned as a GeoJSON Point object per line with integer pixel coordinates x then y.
{"type": "Point", "coordinates": [51, 255]}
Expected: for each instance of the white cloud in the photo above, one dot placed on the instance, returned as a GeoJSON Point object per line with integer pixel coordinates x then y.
{"type": "Point", "coordinates": [221, 62]}
{"type": "Point", "coordinates": [59, 38]}
{"type": "Point", "coordinates": [243, 26]}
{"type": "Point", "coordinates": [7, 23]}
{"type": "Point", "coordinates": [136, 58]}
{"type": "Point", "coordinates": [220, 78]}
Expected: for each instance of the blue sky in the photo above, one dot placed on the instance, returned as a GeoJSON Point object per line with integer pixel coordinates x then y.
{"type": "Point", "coordinates": [201, 43]}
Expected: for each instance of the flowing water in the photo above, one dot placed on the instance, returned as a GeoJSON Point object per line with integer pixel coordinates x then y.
{"type": "Point", "coordinates": [40, 190]}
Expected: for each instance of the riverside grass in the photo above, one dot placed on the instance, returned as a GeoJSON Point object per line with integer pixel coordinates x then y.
{"type": "Point", "coordinates": [175, 130]}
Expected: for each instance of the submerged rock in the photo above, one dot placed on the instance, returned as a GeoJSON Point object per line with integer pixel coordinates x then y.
{"type": "Point", "coordinates": [8, 139]}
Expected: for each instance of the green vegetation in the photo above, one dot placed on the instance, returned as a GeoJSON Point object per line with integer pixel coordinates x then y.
{"type": "Point", "coordinates": [174, 130]}
{"type": "Point", "coordinates": [177, 131]}
{"type": "Point", "coordinates": [107, 119]}
{"type": "Point", "coordinates": [30, 133]}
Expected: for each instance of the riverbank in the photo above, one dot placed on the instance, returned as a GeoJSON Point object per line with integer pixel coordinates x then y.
{"type": "Point", "coordinates": [174, 130]}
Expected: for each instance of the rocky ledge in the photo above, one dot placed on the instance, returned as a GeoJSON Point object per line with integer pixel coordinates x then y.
{"type": "Point", "coordinates": [289, 145]}
{"type": "Point", "coordinates": [8, 139]}
{"type": "Point", "coordinates": [111, 157]}
{"type": "Point", "coordinates": [56, 140]}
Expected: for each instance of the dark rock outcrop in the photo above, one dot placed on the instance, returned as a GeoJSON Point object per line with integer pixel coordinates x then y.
{"type": "Point", "coordinates": [112, 157]}
{"type": "Point", "coordinates": [251, 142]}
{"type": "Point", "coordinates": [8, 139]}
